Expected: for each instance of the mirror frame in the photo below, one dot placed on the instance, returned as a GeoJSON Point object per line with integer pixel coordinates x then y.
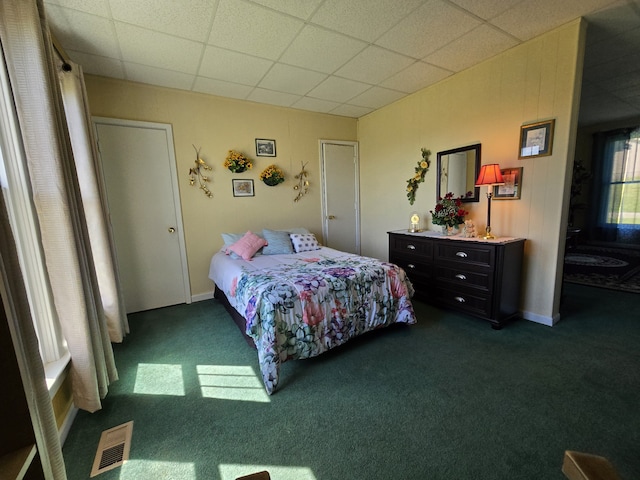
{"type": "Point", "coordinates": [476, 190]}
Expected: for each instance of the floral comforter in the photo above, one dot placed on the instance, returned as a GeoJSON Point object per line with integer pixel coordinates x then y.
{"type": "Point", "coordinates": [312, 302]}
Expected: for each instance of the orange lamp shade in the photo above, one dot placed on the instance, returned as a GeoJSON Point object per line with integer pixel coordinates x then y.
{"type": "Point", "coordinates": [490, 175]}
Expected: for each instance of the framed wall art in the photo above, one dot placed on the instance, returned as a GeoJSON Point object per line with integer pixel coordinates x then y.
{"type": "Point", "coordinates": [242, 188]}
{"type": "Point", "coordinates": [265, 147]}
{"type": "Point", "coordinates": [512, 185]}
{"type": "Point", "coordinates": [536, 139]}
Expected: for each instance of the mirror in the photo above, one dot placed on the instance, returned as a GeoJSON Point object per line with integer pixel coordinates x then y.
{"type": "Point", "coordinates": [458, 170]}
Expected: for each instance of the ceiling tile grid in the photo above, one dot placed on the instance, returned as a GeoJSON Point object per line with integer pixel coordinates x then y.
{"type": "Point", "coordinates": [344, 57]}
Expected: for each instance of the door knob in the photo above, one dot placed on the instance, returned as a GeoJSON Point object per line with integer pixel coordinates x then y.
{"type": "Point", "coordinates": [331, 217]}
{"type": "Point", "coordinates": [172, 230]}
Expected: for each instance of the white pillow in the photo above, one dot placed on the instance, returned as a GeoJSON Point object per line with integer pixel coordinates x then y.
{"type": "Point", "coordinates": [304, 242]}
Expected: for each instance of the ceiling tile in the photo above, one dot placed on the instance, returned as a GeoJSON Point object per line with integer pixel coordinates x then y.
{"type": "Point", "coordinates": [95, 7]}
{"type": "Point", "coordinates": [274, 98]}
{"type": "Point", "coordinates": [297, 8]}
{"type": "Point", "coordinates": [486, 8]}
{"type": "Point", "coordinates": [252, 29]}
{"type": "Point", "coordinates": [363, 19]}
{"type": "Point", "coordinates": [318, 49]}
{"type": "Point", "coordinates": [354, 111]}
{"type": "Point", "coordinates": [171, 17]}
{"type": "Point", "coordinates": [285, 78]}
{"type": "Point", "coordinates": [97, 65]}
{"type": "Point", "coordinates": [528, 21]}
{"type": "Point", "coordinates": [221, 88]}
{"type": "Point", "coordinates": [478, 45]}
{"type": "Point", "coordinates": [605, 108]}
{"type": "Point", "coordinates": [376, 97]}
{"type": "Point", "coordinates": [429, 28]}
{"type": "Point", "coordinates": [338, 89]}
{"type": "Point", "coordinates": [315, 105]}
{"type": "Point", "coordinates": [146, 47]}
{"type": "Point", "coordinates": [373, 65]}
{"type": "Point", "coordinates": [83, 32]}
{"type": "Point", "coordinates": [161, 77]}
{"type": "Point", "coordinates": [416, 76]}
{"type": "Point", "coordinates": [620, 17]}
{"type": "Point", "coordinates": [233, 66]}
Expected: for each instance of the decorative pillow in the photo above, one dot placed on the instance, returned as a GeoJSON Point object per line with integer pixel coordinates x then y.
{"type": "Point", "coordinates": [278, 242]}
{"type": "Point", "coordinates": [304, 242]}
{"type": "Point", "coordinates": [248, 245]}
{"type": "Point", "coordinates": [231, 238]}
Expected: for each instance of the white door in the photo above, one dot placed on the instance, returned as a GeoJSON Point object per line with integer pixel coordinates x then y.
{"type": "Point", "coordinates": [340, 192]}
{"type": "Point", "coordinates": [139, 170]}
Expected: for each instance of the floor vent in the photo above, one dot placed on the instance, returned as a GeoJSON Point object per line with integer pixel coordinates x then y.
{"type": "Point", "coordinates": [113, 449]}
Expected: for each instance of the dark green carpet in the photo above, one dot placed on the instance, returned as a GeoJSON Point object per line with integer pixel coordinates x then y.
{"type": "Point", "coordinates": [448, 398]}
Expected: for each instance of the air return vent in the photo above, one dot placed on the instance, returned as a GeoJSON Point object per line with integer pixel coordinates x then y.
{"type": "Point", "coordinates": [113, 449]}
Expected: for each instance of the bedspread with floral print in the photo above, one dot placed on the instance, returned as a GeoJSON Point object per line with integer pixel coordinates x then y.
{"type": "Point", "coordinates": [303, 309]}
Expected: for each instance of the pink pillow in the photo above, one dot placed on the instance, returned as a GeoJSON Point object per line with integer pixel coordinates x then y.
{"type": "Point", "coordinates": [248, 245]}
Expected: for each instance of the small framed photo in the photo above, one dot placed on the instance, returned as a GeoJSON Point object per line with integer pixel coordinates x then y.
{"type": "Point", "coordinates": [265, 147]}
{"type": "Point", "coordinates": [512, 185]}
{"type": "Point", "coordinates": [242, 188]}
{"type": "Point", "coordinates": [536, 139]}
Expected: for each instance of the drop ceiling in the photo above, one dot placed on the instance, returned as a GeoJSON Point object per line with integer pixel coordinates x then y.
{"type": "Point", "coordinates": [343, 57]}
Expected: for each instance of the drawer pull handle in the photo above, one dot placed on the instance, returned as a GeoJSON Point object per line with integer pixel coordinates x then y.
{"type": "Point", "coordinates": [411, 266]}
{"type": "Point", "coordinates": [461, 254]}
{"type": "Point", "coordinates": [411, 247]}
{"type": "Point", "coordinates": [459, 299]}
{"type": "Point", "coordinates": [460, 276]}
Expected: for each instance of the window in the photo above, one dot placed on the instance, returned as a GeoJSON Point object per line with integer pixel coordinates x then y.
{"type": "Point", "coordinates": [621, 180]}
{"type": "Point", "coordinates": [16, 191]}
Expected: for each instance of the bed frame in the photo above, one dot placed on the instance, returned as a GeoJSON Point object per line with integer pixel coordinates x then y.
{"type": "Point", "coordinates": [238, 319]}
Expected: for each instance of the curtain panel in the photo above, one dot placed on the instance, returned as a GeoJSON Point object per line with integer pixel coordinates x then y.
{"type": "Point", "coordinates": [31, 66]}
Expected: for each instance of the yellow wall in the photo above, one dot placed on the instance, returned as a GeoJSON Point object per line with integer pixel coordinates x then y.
{"type": "Point", "coordinates": [216, 125]}
{"type": "Point", "coordinates": [485, 104]}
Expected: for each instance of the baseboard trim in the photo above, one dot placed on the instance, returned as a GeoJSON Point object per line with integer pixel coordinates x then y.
{"type": "Point", "coordinates": [541, 319]}
{"type": "Point", "coordinates": [202, 296]}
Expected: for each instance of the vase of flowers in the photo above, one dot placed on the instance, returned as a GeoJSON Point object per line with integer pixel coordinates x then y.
{"type": "Point", "coordinates": [237, 162]}
{"type": "Point", "coordinates": [449, 213]}
{"type": "Point", "coordinates": [272, 176]}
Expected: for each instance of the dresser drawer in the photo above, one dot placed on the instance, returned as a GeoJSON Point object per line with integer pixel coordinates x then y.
{"type": "Point", "coordinates": [474, 304]}
{"type": "Point", "coordinates": [415, 269]}
{"type": "Point", "coordinates": [465, 253]}
{"type": "Point", "coordinates": [459, 277]}
{"type": "Point", "coordinates": [411, 246]}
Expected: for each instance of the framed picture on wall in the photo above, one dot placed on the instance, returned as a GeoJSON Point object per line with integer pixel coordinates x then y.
{"type": "Point", "coordinates": [512, 185]}
{"type": "Point", "coordinates": [242, 188]}
{"type": "Point", "coordinates": [536, 139]}
{"type": "Point", "coordinates": [265, 147]}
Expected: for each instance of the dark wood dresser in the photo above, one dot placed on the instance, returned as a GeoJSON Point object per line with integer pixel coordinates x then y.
{"type": "Point", "coordinates": [475, 276]}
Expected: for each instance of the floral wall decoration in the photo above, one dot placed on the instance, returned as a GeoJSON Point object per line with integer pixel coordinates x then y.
{"type": "Point", "coordinates": [195, 173]}
{"type": "Point", "coordinates": [420, 171]}
{"type": "Point", "coordinates": [237, 162]}
{"type": "Point", "coordinates": [303, 184]}
{"type": "Point", "coordinates": [272, 176]}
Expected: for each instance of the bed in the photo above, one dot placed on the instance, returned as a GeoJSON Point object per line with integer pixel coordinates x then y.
{"type": "Point", "coordinates": [299, 305]}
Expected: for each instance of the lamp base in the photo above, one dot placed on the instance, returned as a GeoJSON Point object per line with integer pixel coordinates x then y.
{"type": "Point", "coordinates": [488, 235]}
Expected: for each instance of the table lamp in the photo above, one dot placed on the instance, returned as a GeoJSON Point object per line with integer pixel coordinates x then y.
{"type": "Point", "coordinates": [490, 176]}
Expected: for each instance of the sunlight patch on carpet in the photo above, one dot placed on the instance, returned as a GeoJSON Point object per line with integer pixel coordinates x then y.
{"type": "Point", "coordinates": [143, 469]}
{"type": "Point", "coordinates": [231, 382]}
{"type": "Point", "coordinates": [231, 471]}
{"type": "Point", "coordinates": [159, 379]}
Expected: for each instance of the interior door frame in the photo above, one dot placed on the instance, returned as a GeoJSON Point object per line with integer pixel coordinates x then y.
{"type": "Point", "coordinates": [173, 171]}
{"type": "Point", "coordinates": [356, 186]}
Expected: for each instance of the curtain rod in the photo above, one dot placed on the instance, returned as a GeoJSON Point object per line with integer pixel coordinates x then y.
{"type": "Point", "coordinates": [66, 61]}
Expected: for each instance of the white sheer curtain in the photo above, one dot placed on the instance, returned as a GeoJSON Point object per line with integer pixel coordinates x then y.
{"type": "Point", "coordinates": [26, 46]}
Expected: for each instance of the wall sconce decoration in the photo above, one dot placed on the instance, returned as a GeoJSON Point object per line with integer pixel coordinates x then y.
{"type": "Point", "coordinates": [195, 173]}
{"type": "Point", "coordinates": [303, 184]}
{"type": "Point", "coordinates": [489, 176]}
